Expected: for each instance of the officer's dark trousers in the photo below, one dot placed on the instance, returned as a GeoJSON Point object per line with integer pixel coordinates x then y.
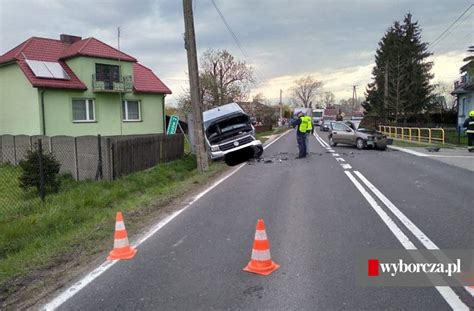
{"type": "Point", "coordinates": [470, 139]}
{"type": "Point", "coordinates": [301, 139]}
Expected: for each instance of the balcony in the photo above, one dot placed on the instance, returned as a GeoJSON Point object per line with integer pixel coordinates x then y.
{"type": "Point", "coordinates": [125, 85]}
{"type": "Point", "coordinates": [466, 82]}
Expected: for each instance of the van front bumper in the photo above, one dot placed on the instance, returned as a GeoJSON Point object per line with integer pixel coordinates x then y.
{"type": "Point", "coordinates": [221, 154]}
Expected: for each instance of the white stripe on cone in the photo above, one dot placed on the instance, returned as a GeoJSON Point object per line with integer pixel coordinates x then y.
{"type": "Point", "coordinates": [121, 243]}
{"type": "Point", "coordinates": [260, 235]}
{"type": "Point", "coordinates": [119, 225]}
{"type": "Point", "coordinates": [261, 255]}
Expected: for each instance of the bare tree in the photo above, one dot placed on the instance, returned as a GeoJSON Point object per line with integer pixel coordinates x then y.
{"type": "Point", "coordinates": [327, 99]}
{"type": "Point", "coordinates": [223, 79]}
{"type": "Point", "coordinates": [305, 90]}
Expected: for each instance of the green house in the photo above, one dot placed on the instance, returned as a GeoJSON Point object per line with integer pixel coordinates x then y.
{"type": "Point", "coordinates": [76, 87]}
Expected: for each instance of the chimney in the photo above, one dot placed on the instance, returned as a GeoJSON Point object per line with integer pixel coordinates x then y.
{"type": "Point", "coordinates": [69, 39]}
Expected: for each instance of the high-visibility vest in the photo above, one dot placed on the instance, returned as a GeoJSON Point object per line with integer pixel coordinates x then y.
{"type": "Point", "coordinates": [309, 122]}
{"type": "Point", "coordinates": [303, 127]}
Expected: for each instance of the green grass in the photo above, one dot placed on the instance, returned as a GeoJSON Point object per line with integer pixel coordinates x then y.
{"type": "Point", "coordinates": [406, 143]}
{"type": "Point", "coordinates": [263, 136]}
{"type": "Point", "coordinates": [79, 220]}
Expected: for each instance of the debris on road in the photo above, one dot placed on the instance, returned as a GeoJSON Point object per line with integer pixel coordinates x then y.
{"type": "Point", "coordinates": [433, 149]}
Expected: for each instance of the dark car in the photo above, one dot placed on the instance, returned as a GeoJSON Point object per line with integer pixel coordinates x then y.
{"type": "Point", "coordinates": [348, 132]}
{"type": "Point", "coordinates": [325, 126]}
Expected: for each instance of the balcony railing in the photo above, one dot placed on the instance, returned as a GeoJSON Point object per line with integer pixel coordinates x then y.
{"type": "Point", "coordinates": [466, 82]}
{"type": "Point", "coordinates": [125, 85]}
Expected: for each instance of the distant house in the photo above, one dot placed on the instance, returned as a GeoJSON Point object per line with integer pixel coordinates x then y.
{"type": "Point", "coordinates": [75, 87]}
{"type": "Point", "coordinates": [464, 88]}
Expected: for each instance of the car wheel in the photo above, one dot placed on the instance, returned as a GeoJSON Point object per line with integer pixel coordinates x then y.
{"type": "Point", "coordinates": [331, 142]}
{"type": "Point", "coordinates": [360, 143]}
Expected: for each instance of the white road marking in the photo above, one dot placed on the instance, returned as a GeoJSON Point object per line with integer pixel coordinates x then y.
{"type": "Point", "coordinates": [180, 241]}
{"type": "Point", "coordinates": [413, 152]}
{"type": "Point", "coordinates": [445, 291]}
{"type": "Point", "coordinates": [340, 160]}
{"type": "Point", "coordinates": [336, 154]}
{"type": "Point", "coordinates": [76, 287]}
{"type": "Point", "coordinates": [330, 150]}
{"type": "Point", "coordinates": [405, 220]}
{"type": "Point", "coordinates": [346, 166]}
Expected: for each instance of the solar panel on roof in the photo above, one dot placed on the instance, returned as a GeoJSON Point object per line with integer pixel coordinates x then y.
{"type": "Point", "coordinates": [57, 70]}
{"type": "Point", "coordinates": [39, 69]}
{"type": "Point", "coordinates": [50, 70]}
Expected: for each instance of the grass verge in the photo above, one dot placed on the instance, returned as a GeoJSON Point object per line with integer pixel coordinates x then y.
{"type": "Point", "coordinates": [404, 143]}
{"type": "Point", "coordinates": [264, 136]}
{"type": "Point", "coordinates": [77, 223]}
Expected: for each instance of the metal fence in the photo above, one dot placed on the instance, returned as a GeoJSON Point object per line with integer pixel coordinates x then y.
{"type": "Point", "coordinates": [82, 158]}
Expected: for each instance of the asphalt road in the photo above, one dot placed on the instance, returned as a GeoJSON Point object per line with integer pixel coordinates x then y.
{"type": "Point", "coordinates": [316, 219]}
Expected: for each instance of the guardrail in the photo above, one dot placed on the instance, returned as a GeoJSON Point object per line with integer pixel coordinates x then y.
{"type": "Point", "coordinates": [420, 134]}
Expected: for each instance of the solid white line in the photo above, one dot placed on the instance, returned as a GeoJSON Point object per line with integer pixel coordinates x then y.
{"type": "Point", "coordinates": [405, 220]}
{"type": "Point", "coordinates": [445, 291]}
{"type": "Point", "coordinates": [319, 141]}
{"type": "Point", "coordinates": [76, 287]}
{"type": "Point", "coordinates": [322, 141]}
{"type": "Point", "coordinates": [419, 154]}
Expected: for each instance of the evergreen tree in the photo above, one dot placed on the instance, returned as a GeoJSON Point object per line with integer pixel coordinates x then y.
{"type": "Point", "coordinates": [401, 58]}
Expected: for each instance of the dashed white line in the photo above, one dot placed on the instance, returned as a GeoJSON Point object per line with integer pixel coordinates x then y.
{"type": "Point", "coordinates": [340, 160]}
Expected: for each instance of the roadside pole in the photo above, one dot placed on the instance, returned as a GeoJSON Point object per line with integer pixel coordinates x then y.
{"type": "Point", "coordinates": [190, 46]}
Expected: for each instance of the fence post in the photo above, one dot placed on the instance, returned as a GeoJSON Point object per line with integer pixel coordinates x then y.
{"type": "Point", "coordinates": [14, 151]}
{"type": "Point", "coordinates": [429, 135]}
{"type": "Point", "coordinates": [41, 170]}
{"type": "Point", "coordinates": [99, 173]}
{"type": "Point", "coordinates": [76, 166]}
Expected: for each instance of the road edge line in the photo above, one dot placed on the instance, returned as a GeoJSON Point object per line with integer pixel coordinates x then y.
{"type": "Point", "coordinates": [91, 276]}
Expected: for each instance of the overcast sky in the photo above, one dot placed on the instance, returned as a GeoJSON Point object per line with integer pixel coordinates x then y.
{"type": "Point", "coordinates": [334, 41]}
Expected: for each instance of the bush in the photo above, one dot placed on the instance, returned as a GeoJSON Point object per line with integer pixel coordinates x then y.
{"type": "Point", "coordinates": [30, 176]}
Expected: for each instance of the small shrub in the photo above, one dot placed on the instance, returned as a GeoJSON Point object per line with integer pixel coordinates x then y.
{"type": "Point", "coordinates": [30, 176]}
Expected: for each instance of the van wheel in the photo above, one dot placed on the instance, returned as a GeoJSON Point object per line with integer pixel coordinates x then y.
{"type": "Point", "coordinates": [360, 143]}
{"type": "Point", "coordinates": [331, 142]}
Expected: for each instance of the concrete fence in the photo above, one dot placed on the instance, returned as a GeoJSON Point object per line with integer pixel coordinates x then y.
{"type": "Point", "coordinates": [79, 156]}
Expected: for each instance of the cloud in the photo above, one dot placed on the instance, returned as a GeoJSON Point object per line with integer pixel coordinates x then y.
{"type": "Point", "coordinates": [333, 40]}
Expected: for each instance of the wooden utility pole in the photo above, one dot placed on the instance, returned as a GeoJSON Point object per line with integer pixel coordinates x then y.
{"type": "Point", "coordinates": [190, 45]}
{"type": "Point", "coordinates": [354, 99]}
{"type": "Point", "coordinates": [281, 107]}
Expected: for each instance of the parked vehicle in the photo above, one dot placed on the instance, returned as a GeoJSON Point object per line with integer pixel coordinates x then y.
{"type": "Point", "coordinates": [229, 131]}
{"type": "Point", "coordinates": [348, 132]}
{"type": "Point", "coordinates": [325, 126]}
{"type": "Point", "coordinates": [317, 117]}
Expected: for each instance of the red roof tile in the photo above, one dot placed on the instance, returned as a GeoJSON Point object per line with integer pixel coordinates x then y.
{"type": "Point", "coordinates": [51, 50]}
{"type": "Point", "coordinates": [145, 81]}
{"type": "Point", "coordinates": [95, 48]}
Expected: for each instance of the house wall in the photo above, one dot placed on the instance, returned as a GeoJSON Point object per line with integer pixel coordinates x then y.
{"type": "Point", "coordinates": [108, 108]}
{"type": "Point", "coordinates": [19, 103]}
{"type": "Point", "coordinates": [466, 104]}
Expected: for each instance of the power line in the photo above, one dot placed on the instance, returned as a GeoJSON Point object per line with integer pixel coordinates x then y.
{"type": "Point", "coordinates": [450, 26]}
{"type": "Point", "coordinates": [236, 39]}
{"type": "Point", "coordinates": [454, 28]}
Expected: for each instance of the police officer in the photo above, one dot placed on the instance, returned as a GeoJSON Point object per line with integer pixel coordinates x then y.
{"type": "Point", "coordinates": [309, 132]}
{"type": "Point", "coordinates": [469, 124]}
{"type": "Point", "coordinates": [301, 129]}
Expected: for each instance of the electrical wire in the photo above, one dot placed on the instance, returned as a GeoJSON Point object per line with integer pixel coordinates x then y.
{"type": "Point", "coordinates": [439, 37]}
{"type": "Point", "coordinates": [236, 39]}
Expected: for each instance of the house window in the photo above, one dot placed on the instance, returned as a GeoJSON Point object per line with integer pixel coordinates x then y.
{"type": "Point", "coordinates": [131, 110]}
{"type": "Point", "coordinates": [107, 74]}
{"type": "Point", "coordinates": [83, 110]}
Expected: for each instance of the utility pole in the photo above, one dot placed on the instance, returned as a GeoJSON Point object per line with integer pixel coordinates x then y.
{"type": "Point", "coordinates": [190, 46]}
{"type": "Point", "coordinates": [354, 99]}
{"type": "Point", "coordinates": [281, 106]}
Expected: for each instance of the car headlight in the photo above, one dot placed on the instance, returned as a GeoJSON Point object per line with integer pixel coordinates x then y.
{"type": "Point", "coordinates": [215, 148]}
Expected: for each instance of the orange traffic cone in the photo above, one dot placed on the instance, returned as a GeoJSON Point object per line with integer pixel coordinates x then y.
{"type": "Point", "coordinates": [261, 261]}
{"type": "Point", "coordinates": [122, 249]}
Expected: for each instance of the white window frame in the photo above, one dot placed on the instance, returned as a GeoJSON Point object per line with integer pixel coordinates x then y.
{"type": "Point", "coordinates": [125, 109]}
{"type": "Point", "coordinates": [86, 101]}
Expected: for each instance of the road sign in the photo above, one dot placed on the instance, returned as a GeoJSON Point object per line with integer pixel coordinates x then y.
{"type": "Point", "coordinates": [173, 125]}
